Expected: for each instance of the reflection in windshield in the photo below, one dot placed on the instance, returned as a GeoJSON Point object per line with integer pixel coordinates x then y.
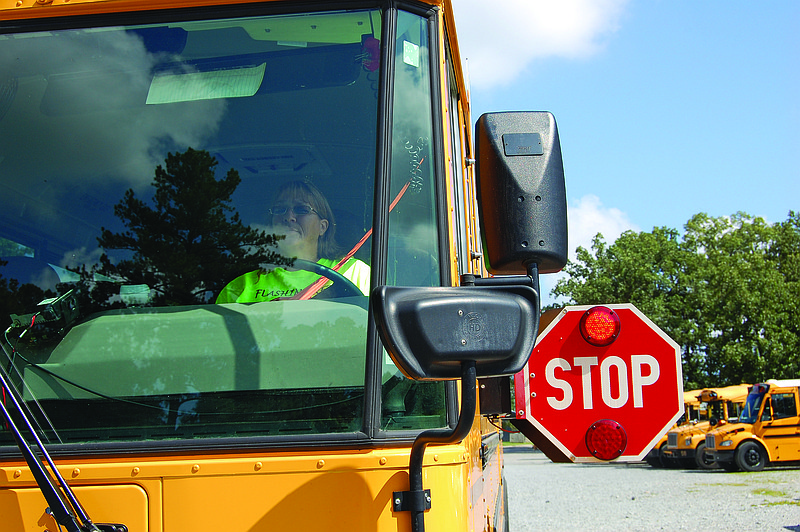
{"type": "Point", "coordinates": [192, 239]}
{"type": "Point", "coordinates": [137, 173]}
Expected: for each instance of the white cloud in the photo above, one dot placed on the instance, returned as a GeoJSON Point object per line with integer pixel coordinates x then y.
{"type": "Point", "coordinates": [117, 134]}
{"type": "Point", "coordinates": [586, 217]}
{"type": "Point", "coordinates": [500, 38]}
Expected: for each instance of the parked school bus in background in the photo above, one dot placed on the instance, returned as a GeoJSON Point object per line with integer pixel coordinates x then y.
{"type": "Point", "coordinates": [768, 430]}
{"type": "Point", "coordinates": [658, 456]}
{"type": "Point", "coordinates": [718, 406]}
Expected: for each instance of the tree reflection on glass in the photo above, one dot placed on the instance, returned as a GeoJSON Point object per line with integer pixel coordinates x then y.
{"type": "Point", "coordinates": [191, 241]}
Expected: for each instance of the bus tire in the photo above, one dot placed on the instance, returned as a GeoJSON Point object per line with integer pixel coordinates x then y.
{"type": "Point", "coordinates": [702, 459]}
{"type": "Point", "coordinates": [667, 462]}
{"type": "Point", "coordinates": [750, 456]}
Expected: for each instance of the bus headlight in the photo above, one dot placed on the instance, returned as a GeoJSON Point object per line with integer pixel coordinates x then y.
{"type": "Point", "coordinates": [726, 443]}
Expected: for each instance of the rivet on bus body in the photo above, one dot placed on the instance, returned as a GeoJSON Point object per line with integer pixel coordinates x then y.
{"type": "Point", "coordinates": [320, 464]}
{"type": "Point", "coordinates": [19, 3]}
{"type": "Point", "coordinates": [135, 471]}
{"type": "Point", "coordinates": [533, 394]}
{"type": "Point", "coordinates": [521, 412]}
{"type": "Point", "coordinates": [382, 460]}
{"type": "Point", "coordinates": [18, 473]}
{"type": "Point", "coordinates": [76, 472]}
{"type": "Point", "coordinates": [258, 466]}
{"type": "Point", "coordinates": [195, 468]}
{"type": "Point", "coordinates": [533, 375]}
{"type": "Point", "coordinates": [435, 457]}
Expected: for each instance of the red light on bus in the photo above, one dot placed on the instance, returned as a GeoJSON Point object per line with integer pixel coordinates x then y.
{"type": "Point", "coordinates": [606, 439]}
{"type": "Point", "coordinates": [600, 326]}
{"type": "Point", "coordinates": [759, 388]}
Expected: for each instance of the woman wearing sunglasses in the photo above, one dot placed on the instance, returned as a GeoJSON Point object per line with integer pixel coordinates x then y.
{"type": "Point", "coordinates": [303, 219]}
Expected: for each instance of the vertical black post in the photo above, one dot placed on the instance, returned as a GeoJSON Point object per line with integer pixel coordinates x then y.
{"type": "Point", "coordinates": [416, 495]}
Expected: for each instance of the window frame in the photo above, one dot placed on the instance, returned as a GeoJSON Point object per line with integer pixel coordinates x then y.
{"type": "Point", "coordinates": [370, 435]}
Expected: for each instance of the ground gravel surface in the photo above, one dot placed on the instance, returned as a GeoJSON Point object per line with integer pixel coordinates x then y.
{"type": "Point", "coordinates": [636, 497]}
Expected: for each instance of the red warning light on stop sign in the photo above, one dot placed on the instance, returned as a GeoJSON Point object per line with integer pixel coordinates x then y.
{"type": "Point", "coordinates": [601, 402]}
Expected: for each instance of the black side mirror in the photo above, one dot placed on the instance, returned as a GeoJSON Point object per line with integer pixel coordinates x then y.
{"type": "Point", "coordinates": [430, 332]}
{"type": "Point", "coordinates": [521, 192]}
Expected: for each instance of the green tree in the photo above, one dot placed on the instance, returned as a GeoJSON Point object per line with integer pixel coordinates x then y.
{"type": "Point", "coordinates": [191, 242]}
{"type": "Point", "coordinates": [727, 292]}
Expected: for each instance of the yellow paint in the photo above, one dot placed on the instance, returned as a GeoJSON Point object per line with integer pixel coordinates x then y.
{"type": "Point", "coordinates": [347, 490]}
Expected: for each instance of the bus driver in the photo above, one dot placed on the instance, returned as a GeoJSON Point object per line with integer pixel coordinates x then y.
{"type": "Point", "coordinates": [303, 217]}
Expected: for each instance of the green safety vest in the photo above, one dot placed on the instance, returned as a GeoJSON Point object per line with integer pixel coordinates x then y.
{"type": "Point", "coordinates": [266, 285]}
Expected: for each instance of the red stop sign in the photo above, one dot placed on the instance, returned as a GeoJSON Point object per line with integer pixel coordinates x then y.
{"type": "Point", "coordinates": [594, 392]}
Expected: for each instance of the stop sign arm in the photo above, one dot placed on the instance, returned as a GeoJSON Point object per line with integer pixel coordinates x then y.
{"type": "Point", "coordinates": [541, 441]}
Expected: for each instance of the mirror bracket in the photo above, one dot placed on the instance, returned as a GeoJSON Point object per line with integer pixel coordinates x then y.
{"type": "Point", "coordinates": [417, 500]}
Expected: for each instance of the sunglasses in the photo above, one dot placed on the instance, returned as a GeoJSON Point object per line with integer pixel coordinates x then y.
{"type": "Point", "coordinates": [299, 210]}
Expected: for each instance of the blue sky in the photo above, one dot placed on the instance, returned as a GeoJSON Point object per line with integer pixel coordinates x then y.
{"type": "Point", "coordinates": [664, 108]}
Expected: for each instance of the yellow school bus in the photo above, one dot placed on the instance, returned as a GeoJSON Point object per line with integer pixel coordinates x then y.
{"type": "Point", "coordinates": [245, 258]}
{"type": "Point", "coordinates": [718, 407]}
{"type": "Point", "coordinates": [659, 455]}
{"type": "Point", "coordinates": [767, 432]}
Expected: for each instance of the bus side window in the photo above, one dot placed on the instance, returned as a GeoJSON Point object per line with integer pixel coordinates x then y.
{"type": "Point", "coordinates": [767, 414]}
{"type": "Point", "coordinates": [413, 248]}
{"type": "Point", "coordinates": [783, 405]}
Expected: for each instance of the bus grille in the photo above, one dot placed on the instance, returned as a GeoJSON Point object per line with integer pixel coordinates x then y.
{"type": "Point", "coordinates": [672, 440]}
{"type": "Point", "coordinates": [709, 441]}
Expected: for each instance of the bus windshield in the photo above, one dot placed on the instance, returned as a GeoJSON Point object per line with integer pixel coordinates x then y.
{"type": "Point", "coordinates": [181, 232]}
{"type": "Point", "coordinates": [716, 410]}
{"type": "Point", "coordinates": [751, 408]}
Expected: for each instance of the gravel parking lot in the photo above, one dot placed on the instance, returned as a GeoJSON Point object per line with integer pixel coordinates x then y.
{"type": "Point", "coordinates": [636, 497]}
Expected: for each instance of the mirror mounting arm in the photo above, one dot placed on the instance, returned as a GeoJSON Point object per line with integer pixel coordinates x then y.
{"type": "Point", "coordinates": [531, 279]}
{"type": "Point", "coordinates": [418, 500]}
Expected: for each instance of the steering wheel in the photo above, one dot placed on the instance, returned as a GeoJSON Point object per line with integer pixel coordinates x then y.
{"type": "Point", "coordinates": [345, 287]}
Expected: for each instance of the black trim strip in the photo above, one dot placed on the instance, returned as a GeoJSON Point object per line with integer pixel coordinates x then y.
{"type": "Point", "coordinates": [489, 444]}
{"type": "Point", "coordinates": [127, 16]}
{"type": "Point", "coordinates": [212, 446]}
{"type": "Point", "coordinates": [439, 156]}
{"type": "Point", "coordinates": [380, 234]}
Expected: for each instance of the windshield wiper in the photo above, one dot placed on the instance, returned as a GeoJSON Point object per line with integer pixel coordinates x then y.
{"type": "Point", "coordinates": [62, 502]}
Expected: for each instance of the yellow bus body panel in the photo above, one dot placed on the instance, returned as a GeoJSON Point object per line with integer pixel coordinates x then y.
{"type": "Point", "coordinates": [348, 490]}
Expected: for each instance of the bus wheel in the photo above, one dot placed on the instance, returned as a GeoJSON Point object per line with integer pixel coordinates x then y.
{"type": "Point", "coordinates": [750, 456]}
{"type": "Point", "coordinates": [703, 459]}
{"type": "Point", "coordinates": [666, 461]}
